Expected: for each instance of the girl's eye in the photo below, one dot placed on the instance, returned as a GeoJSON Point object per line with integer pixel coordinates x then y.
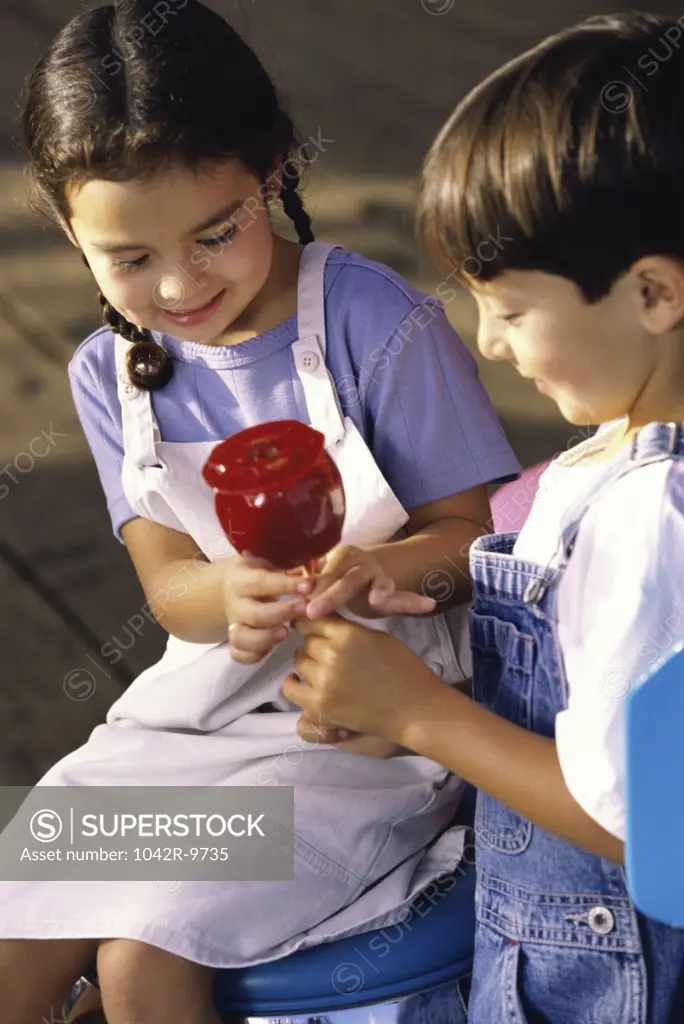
{"type": "Point", "coordinates": [511, 318]}
{"type": "Point", "coordinates": [130, 264]}
{"type": "Point", "coordinates": [226, 236]}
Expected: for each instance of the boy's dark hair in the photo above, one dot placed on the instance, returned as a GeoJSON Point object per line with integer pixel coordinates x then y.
{"type": "Point", "coordinates": [571, 157]}
{"type": "Point", "coordinates": [129, 88]}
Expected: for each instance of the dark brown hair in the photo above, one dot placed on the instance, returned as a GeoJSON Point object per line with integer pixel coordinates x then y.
{"type": "Point", "coordinates": [128, 88]}
{"type": "Point", "coordinates": [568, 160]}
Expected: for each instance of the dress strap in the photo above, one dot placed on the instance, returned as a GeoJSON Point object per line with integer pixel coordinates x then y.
{"type": "Point", "coordinates": [139, 425]}
{"type": "Point", "coordinates": [309, 351]}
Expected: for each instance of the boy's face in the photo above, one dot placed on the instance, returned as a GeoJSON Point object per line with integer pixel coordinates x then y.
{"type": "Point", "coordinates": [591, 359]}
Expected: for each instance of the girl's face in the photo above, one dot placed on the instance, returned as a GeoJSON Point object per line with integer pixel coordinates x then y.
{"type": "Point", "coordinates": [593, 360]}
{"type": "Point", "coordinates": [186, 253]}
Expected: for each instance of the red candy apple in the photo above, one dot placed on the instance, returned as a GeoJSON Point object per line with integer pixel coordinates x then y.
{"type": "Point", "coordinates": [278, 493]}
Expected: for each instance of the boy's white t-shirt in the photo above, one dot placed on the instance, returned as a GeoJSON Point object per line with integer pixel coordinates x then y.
{"type": "Point", "coordinates": [620, 607]}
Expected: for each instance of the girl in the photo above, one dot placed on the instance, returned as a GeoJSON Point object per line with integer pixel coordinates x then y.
{"type": "Point", "coordinates": [158, 142]}
{"type": "Point", "coordinates": [582, 172]}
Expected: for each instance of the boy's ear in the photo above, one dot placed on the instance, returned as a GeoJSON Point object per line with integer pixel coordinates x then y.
{"type": "Point", "coordinates": [660, 281]}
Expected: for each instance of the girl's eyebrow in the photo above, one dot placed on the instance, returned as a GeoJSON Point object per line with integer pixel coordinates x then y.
{"type": "Point", "coordinates": [215, 218]}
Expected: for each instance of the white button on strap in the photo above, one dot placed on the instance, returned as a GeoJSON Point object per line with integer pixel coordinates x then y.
{"type": "Point", "coordinates": [309, 360]}
{"type": "Point", "coordinates": [601, 920]}
{"type": "Point", "coordinates": [319, 391]}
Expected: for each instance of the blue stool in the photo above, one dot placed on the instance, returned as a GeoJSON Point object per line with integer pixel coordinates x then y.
{"type": "Point", "coordinates": [655, 792]}
{"type": "Point", "coordinates": [432, 946]}
{"type": "Point", "coordinates": [426, 950]}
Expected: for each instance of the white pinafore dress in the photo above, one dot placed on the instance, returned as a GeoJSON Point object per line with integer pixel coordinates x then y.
{"type": "Point", "coordinates": [191, 720]}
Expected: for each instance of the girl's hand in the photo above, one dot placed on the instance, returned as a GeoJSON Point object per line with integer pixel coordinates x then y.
{"type": "Point", "coordinates": [353, 577]}
{"type": "Point", "coordinates": [257, 621]}
{"type": "Point", "coordinates": [359, 678]}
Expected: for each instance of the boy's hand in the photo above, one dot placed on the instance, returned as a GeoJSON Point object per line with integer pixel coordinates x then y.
{"type": "Point", "coordinates": [353, 577]}
{"type": "Point", "coordinates": [359, 678]}
{"type": "Point", "coordinates": [316, 729]}
{"type": "Point", "coordinates": [257, 620]}
{"type": "Point", "coordinates": [319, 730]}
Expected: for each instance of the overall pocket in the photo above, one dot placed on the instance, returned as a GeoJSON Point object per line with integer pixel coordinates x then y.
{"type": "Point", "coordinates": [503, 669]}
{"type": "Point", "coordinates": [538, 983]}
{"type": "Point", "coordinates": [494, 994]}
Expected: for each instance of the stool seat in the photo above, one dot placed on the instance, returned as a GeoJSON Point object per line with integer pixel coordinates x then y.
{"type": "Point", "coordinates": [431, 945]}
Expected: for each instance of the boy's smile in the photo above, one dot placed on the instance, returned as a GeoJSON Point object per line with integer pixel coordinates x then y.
{"type": "Point", "coordinates": [598, 361]}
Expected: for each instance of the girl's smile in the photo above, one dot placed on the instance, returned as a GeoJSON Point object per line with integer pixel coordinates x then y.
{"type": "Point", "coordinates": [198, 315]}
{"type": "Point", "coordinates": [188, 253]}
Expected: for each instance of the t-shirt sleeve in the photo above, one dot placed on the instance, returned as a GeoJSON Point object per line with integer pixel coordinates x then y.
{"type": "Point", "coordinates": [620, 610]}
{"type": "Point", "coordinates": [432, 427]}
{"type": "Point", "coordinates": [100, 415]}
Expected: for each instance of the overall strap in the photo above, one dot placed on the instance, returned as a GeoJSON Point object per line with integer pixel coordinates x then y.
{"type": "Point", "coordinates": [656, 442]}
{"type": "Point", "coordinates": [309, 351]}
{"type": "Point", "coordinates": [140, 428]}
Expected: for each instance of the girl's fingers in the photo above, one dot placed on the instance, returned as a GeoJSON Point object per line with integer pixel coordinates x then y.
{"type": "Point", "coordinates": [245, 658]}
{"type": "Point", "coordinates": [261, 583]}
{"type": "Point", "coordinates": [267, 614]}
{"type": "Point", "coordinates": [249, 645]}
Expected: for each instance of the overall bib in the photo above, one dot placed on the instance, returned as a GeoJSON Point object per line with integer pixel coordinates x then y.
{"type": "Point", "coordinates": [192, 720]}
{"type": "Point", "coordinates": [558, 939]}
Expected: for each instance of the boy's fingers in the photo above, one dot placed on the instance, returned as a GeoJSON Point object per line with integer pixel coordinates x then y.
{"type": "Point", "coordinates": [340, 561]}
{"type": "Point", "coordinates": [404, 602]}
{"type": "Point", "coordinates": [314, 732]}
{"type": "Point", "coordinates": [338, 594]}
{"type": "Point", "coordinates": [297, 691]}
{"type": "Point", "coordinates": [382, 582]}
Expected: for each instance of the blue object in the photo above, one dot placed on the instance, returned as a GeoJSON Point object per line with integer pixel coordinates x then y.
{"type": "Point", "coordinates": [433, 944]}
{"type": "Point", "coordinates": [430, 946]}
{"type": "Point", "coordinates": [655, 791]}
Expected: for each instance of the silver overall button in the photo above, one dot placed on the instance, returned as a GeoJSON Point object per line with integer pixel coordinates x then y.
{"type": "Point", "coordinates": [309, 360]}
{"type": "Point", "coordinates": [601, 920]}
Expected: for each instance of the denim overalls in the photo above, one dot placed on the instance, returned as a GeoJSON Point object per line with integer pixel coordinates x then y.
{"type": "Point", "coordinates": [558, 939]}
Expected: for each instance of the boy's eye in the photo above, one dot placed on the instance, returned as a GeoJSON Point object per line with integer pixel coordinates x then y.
{"type": "Point", "coordinates": [511, 318]}
{"type": "Point", "coordinates": [130, 264]}
{"type": "Point", "coordinates": [220, 239]}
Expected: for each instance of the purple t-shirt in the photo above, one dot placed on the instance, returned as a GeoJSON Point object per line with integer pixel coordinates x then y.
{"type": "Point", "coordinates": [402, 373]}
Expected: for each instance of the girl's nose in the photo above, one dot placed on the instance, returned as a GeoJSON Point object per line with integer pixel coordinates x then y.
{"type": "Point", "coordinates": [169, 292]}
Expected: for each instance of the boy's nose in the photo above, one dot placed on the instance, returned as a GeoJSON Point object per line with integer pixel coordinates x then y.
{"type": "Point", "coordinates": [491, 344]}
